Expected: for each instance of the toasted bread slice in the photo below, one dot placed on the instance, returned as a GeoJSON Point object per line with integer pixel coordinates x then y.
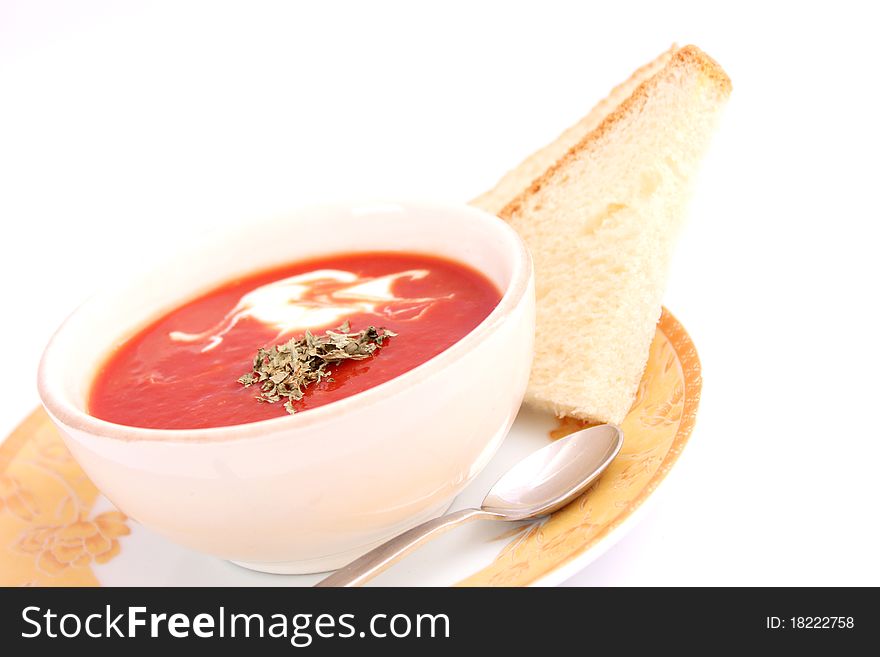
{"type": "Point", "coordinates": [600, 209]}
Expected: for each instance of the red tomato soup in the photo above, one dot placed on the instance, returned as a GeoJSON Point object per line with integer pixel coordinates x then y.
{"type": "Point", "coordinates": [181, 371]}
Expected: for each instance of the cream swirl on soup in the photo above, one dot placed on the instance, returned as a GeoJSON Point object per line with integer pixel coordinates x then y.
{"type": "Point", "coordinates": [314, 299]}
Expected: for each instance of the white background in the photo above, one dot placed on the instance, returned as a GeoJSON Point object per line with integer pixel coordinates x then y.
{"type": "Point", "coordinates": [126, 128]}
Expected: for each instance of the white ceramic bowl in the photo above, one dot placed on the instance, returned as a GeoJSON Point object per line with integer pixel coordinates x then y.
{"type": "Point", "coordinates": [308, 492]}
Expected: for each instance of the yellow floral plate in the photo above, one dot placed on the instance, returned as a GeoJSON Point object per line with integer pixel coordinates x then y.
{"type": "Point", "coordinates": [56, 529]}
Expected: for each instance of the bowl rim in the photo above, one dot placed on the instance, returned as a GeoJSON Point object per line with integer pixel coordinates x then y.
{"type": "Point", "coordinates": [60, 408]}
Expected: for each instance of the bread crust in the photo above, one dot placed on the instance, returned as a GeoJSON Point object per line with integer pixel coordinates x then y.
{"type": "Point", "coordinates": [688, 56]}
{"type": "Point", "coordinates": [537, 163]}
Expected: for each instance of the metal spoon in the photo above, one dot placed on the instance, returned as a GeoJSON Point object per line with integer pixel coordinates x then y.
{"type": "Point", "coordinates": [536, 486]}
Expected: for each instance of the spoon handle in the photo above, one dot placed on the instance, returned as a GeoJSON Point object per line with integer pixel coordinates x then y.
{"type": "Point", "coordinates": [366, 567]}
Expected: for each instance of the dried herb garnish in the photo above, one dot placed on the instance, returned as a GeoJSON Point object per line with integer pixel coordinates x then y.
{"type": "Point", "coordinates": [285, 370]}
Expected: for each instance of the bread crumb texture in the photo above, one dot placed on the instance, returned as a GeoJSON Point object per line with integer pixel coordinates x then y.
{"type": "Point", "coordinates": [601, 220]}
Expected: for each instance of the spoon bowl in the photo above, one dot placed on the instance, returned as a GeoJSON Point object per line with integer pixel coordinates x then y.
{"type": "Point", "coordinates": [553, 476]}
